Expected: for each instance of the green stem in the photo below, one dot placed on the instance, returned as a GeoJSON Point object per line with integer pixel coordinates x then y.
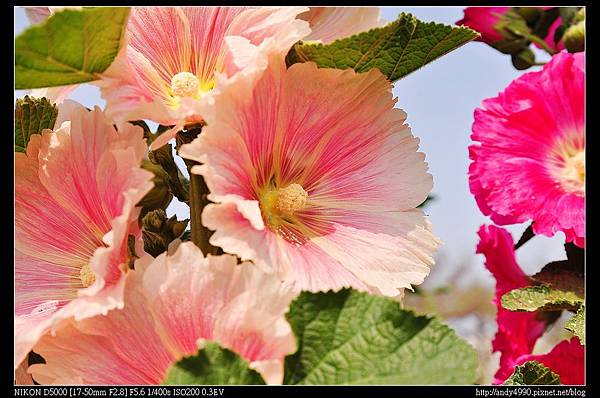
{"type": "Point", "coordinates": [539, 41]}
{"type": "Point", "coordinates": [198, 201]}
{"type": "Point", "coordinates": [198, 192]}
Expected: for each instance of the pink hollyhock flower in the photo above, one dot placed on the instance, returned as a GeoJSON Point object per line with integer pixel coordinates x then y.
{"type": "Point", "coordinates": [21, 375]}
{"type": "Point", "coordinates": [517, 331]}
{"type": "Point", "coordinates": [331, 23]}
{"type": "Point", "coordinates": [176, 56]}
{"type": "Point", "coordinates": [172, 304]}
{"type": "Point", "coordinates": [549, 39]}
{"type": "Point", "coordinates": [317, 177]}
{"type": "Point", "coordinates": [75, 195]}
{"type": "Point", "coordinates": [566, 359]}
{"type": "Point", "coordinates": [529, 155]}
{"type": "Point", "coordinates": [484, 21]}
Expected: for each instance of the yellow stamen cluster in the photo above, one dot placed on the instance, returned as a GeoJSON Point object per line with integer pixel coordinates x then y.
{"type": "Point", "coordinates": [283, 203]}
{"type": "Point", "coordinates": [87, 276]}
{"type": "Point", "coordinates": [185, 84]}
{"type": "Point", "coordinates": [573, 172]}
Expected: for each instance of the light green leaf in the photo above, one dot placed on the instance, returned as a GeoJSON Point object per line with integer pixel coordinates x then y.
{"type": "Point", "coordinates": [354, 338]}
{"type": "Point", "coordinates": [32, 115]}
{"type": "Point", "coordinates": [577, 324]}
{"type": "Point", "coordinates": [396, 49]}
{"type": "Point", "coordinates": [542, 298]}
{"type": "Point", "coordinates": [72, 46]}
{"type": "Point", "coordinates": [532, 373]}
{"type": "Point", "coordinates": [212, 365]}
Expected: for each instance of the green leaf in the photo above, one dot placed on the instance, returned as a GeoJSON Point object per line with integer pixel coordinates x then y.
{"type": "Point", "coordinates": [540, 298]}
{"type": "Point", "coordinates": [354, 338]}
{"type": "Point", "coordinates": [532, 373]}
{"type": "Point", "coordinates": [561, 275]}
{"type": "Point", "coordinates": [212, 365]}
{"type": "Point", "coordinates": [32, 115]}
{"type": "Point", "coordinates": [72, 46]}
{"type": "Point", "coordinates": [577, 324]}
{"type": "Point", "coordinates": [396, 49]}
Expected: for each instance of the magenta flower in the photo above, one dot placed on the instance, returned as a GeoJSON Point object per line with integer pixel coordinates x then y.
{"type": "Point", "coordinates": [484, 21]}
{"type": "Point", "coordinates": [549, 39]}
{"type": "Point", "coordinates": [328, 24]}
{"type": "Point", "coordinates": [518, 331]}
{"type": "Point", "coordinates": [566, 359]}
{"type": "Point", "coordinates": [176, 56]}
{"type": "Point", "coordinates": [317, 177]}
{"type": "Point", "coordinates": [75, 195]}
{"type": "Point", "coordinates": [172, 305]}
{"type": "Point", "coordinates": [529, 154]}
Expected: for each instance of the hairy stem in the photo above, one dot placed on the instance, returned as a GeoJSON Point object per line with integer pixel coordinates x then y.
{"type": "Point", "coordinates": [198, 200]}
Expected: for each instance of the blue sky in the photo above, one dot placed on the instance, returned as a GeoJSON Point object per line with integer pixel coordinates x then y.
{"type": "Point", "coordinates": [440, 100]}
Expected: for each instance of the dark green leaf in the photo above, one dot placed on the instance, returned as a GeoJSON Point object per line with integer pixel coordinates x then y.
{"type": "Point", "coordinates": [158, 231]}
{"type": "Point", "coordinates": [32, 115]}
{"type": "Point", "coordinates": [532, 373]}
{"type": "Point", "coordinates": [354, 338]}
{"type": "Point", "coordinates": [72, 46]}
{"type": "Point", "coordinates": [176, 181]}
{"type": "Point", "coordinates": [396, 49]}
{"type": "Point", "coordinates": [575, 257]}
{"type": "Point", "coordinates": [212, 365]}
{"type": "Point", "coordinates": [561, 276]}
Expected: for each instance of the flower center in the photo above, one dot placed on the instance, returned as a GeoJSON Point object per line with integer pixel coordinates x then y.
{"type": "Point", "coordinates": [185, 84]}
{"type": "Point", "coordinates": [291, 199]}
{"type": "Point", "coordinates": [282, 203]}
{"type": "Point", "coordinates": [573, 172]}
{"type": "Point", "coordinates": [87, 276]}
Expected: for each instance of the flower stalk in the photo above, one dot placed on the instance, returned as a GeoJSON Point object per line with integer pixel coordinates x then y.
{"type": "Point", "coordinates": [198, 198]}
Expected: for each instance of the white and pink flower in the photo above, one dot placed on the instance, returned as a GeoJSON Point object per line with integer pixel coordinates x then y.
{"type": "Point", "coordinates": [172, 305]}
{"type": "Point", "coordinates": [328, 24]}
{"type": "Point", "coordinates": [529, 151]}
{"type": "Point", "coordinates": [75, 194]}
{"type": "Point", "coordinates": [176, 56]}
{"type": "Point", "coordinates": [316, 177]}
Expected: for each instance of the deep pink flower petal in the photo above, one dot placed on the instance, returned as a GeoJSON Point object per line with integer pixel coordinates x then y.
{"type": "Point", "coordinates": [517, 331]}
{"type": "Point", "coordinates": [566, 359]}
{"type": "Point", "coordinates": [483, 20]}
{"type": "Point", "coordinates": [549, 39]}
{"type": "Point", "coordinates": [529, 154]}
